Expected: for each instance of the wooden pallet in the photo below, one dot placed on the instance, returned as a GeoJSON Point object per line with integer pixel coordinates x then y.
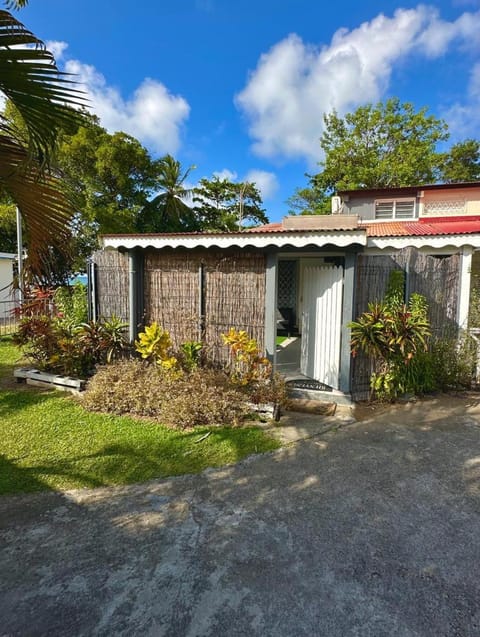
{"type": "Point", "coordinates": [38, 378]}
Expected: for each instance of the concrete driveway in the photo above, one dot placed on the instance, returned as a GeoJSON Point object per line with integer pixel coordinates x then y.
{"type": "Point", "coordinates": [370, 530]}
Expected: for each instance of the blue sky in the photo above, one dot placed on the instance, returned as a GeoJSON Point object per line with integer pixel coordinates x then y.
{"type": "Point", "coordinates": [240, 88]}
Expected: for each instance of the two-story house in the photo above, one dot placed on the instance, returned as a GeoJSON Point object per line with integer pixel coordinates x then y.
{"type": "Point", "coordinates": [304, 278]}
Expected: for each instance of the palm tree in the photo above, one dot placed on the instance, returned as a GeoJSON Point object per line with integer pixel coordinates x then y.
{"type": "Point", "coordinates": [44, 99]}
{"type": "Point", "coordinates": [168, 212]}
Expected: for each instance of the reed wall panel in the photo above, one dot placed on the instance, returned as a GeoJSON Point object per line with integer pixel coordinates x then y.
{"type": "Point", "coordinates": [111, 280]}
{"type": "Point", "coordinates": [234, 297]}
{"type": "Point", "coordinates": [171, 287]}
{"type": "Point", "coordinates": [437, 278]}
{"type": "Point", "coordinates": [233, 293]}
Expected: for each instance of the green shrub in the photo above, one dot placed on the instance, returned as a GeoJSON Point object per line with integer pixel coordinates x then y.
{"type": "Point", "coordinates": [71, 303]}
{"type": "Point", "coordinates": [190, 354]}
{"type": "Point", "coordinates": [453, 362]}
{"type": "Point", "coordinates": [56, 345]}
{"type": "Point", "coordinates": [202, 397]}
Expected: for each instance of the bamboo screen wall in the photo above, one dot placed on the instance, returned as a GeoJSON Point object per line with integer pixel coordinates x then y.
{"type": "Point", "coordinates": [436, 278]}
{"type": "Point", "coordinates": [233, 292]}
{"type": "Point", "coordinates": [112, 283]}
{"type": "Point", "coordinates": [234, 297]}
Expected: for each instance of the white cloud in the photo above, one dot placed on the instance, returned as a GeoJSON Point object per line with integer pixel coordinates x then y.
{"type": "Point", "coordinates": [439, 34]}
{"type": "Point", "coordinates": [295, 83]}
{"type": "Point", "coordinates": [152, 114]}
{"type": "Point", "coordinates": [227, 174]}
{"type": "Point", "coordinates": [57, 48]}
{"type": "Point", "coordinates": [464, 118]}
{"type": "Point", "coordinates": [266, 182]}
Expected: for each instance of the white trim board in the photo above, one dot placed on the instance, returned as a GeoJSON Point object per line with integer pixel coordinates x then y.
{"type": "Point", "coordinates": [246, 240]}
{"type": "Point", "coordinates": [428, 242]}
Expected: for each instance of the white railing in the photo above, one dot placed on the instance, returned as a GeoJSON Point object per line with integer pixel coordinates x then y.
{"type": "Point", "coordinates": [8, 318]}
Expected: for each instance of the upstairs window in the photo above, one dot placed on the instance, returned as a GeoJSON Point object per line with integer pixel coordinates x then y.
{"type": "Point", "coordinates": [395, 209]}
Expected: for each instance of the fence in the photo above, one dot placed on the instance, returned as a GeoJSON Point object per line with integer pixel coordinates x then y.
{"type": "Point", "coordinates": [111, 284]}
{"type": "Point", "coordinates": [194, 294]}
{"type": "Point", "coordinates": [437, 278]}
{"type": "Point", "coordinates": [12, 310]}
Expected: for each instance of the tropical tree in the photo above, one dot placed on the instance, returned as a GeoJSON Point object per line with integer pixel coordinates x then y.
{"type": "Point", "coordinates": [46, 100]}
{"type": "Point", "coordinates": [309, 200]}
{"type": "Point", "coordinates": [386, 145]}
{"type": "Point", "coordinates": [461, 162]}
{"type": "Point", "coordinates": [110, 175]}
{"type": "Point", "coordinates": [8, 227]}
{"type": "Point", "coordinates": [383, 146]}
{"type": "Point", "coordinates": [223, 205]}
{"type": "Point", "coordinates": [168, 212]}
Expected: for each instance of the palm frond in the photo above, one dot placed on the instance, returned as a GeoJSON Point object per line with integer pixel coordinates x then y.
{"type": "Point", "coordinates": [42, 200]}
{"type": "Point", "coordinates": [16, 4]}
{"type": "Point", "coordinates": [45, 97]}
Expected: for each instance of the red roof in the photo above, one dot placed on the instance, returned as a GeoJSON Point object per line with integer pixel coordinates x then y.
{"type": "Point", "coordinates": [424, 227]}
{"type": "Point", "coordinates": [268, 227]}
{"type": "Point", "coordinates": [421, 227]}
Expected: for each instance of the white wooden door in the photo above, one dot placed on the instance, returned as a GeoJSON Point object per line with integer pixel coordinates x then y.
{"type": "Point", "coordinates": [322, 289]}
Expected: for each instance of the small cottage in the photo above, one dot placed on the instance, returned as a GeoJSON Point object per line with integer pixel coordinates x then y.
{"type": "Point", "coordinates": [295, 285]}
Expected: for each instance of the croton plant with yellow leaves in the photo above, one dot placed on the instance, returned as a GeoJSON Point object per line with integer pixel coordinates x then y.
{"type": "Point", "coordinates": [155, 344]}
{"type": "Point", "coordinates": [249, 364]}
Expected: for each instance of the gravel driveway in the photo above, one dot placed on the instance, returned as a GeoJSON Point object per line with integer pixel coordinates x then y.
{"type": "Point", "coordinates": [373, 529]}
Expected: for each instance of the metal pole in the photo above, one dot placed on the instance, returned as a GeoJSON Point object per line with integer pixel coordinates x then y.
{"type": "Point", "coordinates": [20, 255]}
{"type": "Point", "coordinates": [132, 296]}
{"type": "Point", "coordinates": [201, 302]}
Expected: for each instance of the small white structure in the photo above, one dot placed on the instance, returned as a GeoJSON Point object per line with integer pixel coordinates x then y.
{"type": "Point", "coordinates": [7, 296]}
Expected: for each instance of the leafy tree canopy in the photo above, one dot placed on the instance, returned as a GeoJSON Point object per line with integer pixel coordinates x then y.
{"type": "Point", "coordinates": [223, 205]}
{"type": "Point", "coordinates": [382, 146]}
{"type": "Point", "coordinates": [309, 201]}
{"type": "Point", "coordinates": [461, 163]}
{"type": "Point", "coordinates": [8, 227]}
{"type": "Point", "coordinates": [386, 145]}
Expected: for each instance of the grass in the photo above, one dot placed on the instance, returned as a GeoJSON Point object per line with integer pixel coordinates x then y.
{"type": "Point", "coordinates": [49, 442]}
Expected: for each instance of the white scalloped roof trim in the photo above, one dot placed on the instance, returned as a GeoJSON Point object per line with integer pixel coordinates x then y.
{"type": "Point", "coordinates": [283, 240]}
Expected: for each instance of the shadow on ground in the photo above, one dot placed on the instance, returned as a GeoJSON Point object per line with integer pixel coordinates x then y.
{"type": "Point", "coordinates": [370, 530]}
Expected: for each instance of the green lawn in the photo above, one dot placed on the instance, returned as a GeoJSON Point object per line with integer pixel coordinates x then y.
{"type": "Point", "coordinates": [48, 441]}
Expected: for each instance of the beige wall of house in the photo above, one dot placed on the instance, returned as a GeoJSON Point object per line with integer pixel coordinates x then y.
{"type": "Point", "coordinates": [449, 203]}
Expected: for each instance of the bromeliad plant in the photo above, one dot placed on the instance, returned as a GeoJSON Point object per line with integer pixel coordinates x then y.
{"type": "Point", "coordinates": [395, 335]}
